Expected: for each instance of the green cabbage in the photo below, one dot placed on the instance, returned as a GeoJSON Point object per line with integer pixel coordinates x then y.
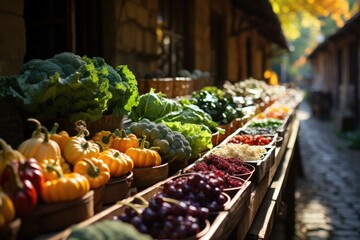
{"type": "Point", "coordinates": [153, 106]}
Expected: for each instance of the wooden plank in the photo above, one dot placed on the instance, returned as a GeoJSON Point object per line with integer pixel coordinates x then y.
{"type": "Point", "coordinates": [262, 224]}
{"type": "Point", "coordinates": [262, 219]}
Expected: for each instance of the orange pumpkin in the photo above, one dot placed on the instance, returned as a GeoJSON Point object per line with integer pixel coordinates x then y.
{"type": "Point", "coordinates": [118, 162]}
{"type": "Point", "coordinates": [122, 142]}
{"type": "Point", "coordinates": [143, 157]}
{"type": "Point", "coordinates": [95, 170]}
{"type": "Point", "coordinates": [78, 148]}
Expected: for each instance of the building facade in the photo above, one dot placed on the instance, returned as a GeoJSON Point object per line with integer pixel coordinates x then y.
{"type": "Point", "coordinates": [231, 40]}
{"type": "Point", "coordinates": [336, 67]}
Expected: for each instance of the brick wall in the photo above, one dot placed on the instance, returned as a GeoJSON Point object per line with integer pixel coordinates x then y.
{"type": "Point", "coordinates": [12, 36]}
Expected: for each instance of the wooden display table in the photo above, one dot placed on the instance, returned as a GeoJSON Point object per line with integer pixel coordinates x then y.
{"type": "Point", "coordinates": [251, 211]}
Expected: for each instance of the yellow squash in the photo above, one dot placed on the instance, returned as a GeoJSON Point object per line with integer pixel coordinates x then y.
{"type": "Point", "coordinates": [95, 170]}
{"type": "Point", "coordinates": [118, 162]}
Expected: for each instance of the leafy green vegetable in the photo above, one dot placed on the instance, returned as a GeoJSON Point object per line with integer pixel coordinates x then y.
{"type": "Point", "coordinates": [123, 87]}
{"type": "Point", "coordinates": [68, 86]}
{"type": "Point", "coordinates": [191, 113]}
{"type": "Point", "coordinates": [198, 137]}
{"type": "Point", "coordinates": [153, 106]}
{"type": "Point", "coordinates": [213, 101]}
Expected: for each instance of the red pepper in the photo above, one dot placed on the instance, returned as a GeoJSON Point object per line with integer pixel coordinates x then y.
{"type": "Point", "coordinates": [32, 171]}
{"type": "Point", "coordinates": [21, 192]}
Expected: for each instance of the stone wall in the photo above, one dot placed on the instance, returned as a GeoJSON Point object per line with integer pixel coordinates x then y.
{"type": "Point", "coordinates": [12, 36]}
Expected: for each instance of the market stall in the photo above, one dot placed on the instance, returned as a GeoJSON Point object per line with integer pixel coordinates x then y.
{"type": "Point", "coordinates": [215, 164]}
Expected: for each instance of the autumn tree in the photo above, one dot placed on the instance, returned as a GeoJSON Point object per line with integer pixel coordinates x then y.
{"type": "Point", "coordinates": [305, 23]}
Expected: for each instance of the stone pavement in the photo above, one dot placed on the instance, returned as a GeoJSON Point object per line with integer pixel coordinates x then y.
{"type": "Point", "coordinates": [328, 197]}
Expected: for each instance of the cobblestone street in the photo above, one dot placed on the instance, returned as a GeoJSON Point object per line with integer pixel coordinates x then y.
{"type": "Point", "coordinates": [328, 196]}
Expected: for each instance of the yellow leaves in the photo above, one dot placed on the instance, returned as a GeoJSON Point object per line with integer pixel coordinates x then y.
{"type": "Point", "coordinates": [304, 13]}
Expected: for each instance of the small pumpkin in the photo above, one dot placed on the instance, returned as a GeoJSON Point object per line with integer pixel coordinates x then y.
{"type": "Point", "coordinates": [118, 162]}
{"type": "Point", "coordinates": [60, 138]}
{"type": "Point", "coordinates": [40, 148]}
{"type": "Point", "coordinates": [122, 142]}
{"type": "Point", "coordinates": [78, 148]}
{"type": "Point", "coordinates": [95, 170]}
{"type": "Point", "coordinates": [49, 173]}
{"type": "Point", "coordinates": [143, 157]}
{"type": "Point", "coordinates": [66, 187]}
{"type": "Point", "coordinates": [104, 138]}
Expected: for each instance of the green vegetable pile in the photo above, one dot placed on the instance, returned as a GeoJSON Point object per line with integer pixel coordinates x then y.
{"type": "Point", "coordinates": [266, 123]}
{"type": "Point", "coordinates": [73, 87]}
{"type": "Point", "coordinates": [172, 145]}
{"type": "Point", "coordinates": [198, 137]}
{"type": "Point", "coordinates": [153, 106]}
{"type": "Point", "coordinates": [220, 107]}
{"type": "Point", "coordinates": [108, 229]}
{"type": "Point", "coordinates": [157, 108]}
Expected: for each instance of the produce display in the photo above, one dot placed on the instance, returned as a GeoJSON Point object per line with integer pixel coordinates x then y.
{"type": "Point", "coordinates": [52, 168]}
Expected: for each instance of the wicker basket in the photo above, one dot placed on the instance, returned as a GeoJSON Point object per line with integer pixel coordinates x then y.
{"type": "Point", "coordinates": [182, 86]}
{"type": "Point", "coordinates": [163, 85]}
{"type": "Point", "coordinates": [118, 188]}
{"type": "Point", "coordinates": [148, 176]}
{"type": "Point", "coordinates": [54, 217]}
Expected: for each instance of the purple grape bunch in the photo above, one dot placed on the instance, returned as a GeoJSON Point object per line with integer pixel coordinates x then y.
{"type": "Point", "coordinates": [166, 218]}
{"type": "Point", "coordinates": [197, 189]}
